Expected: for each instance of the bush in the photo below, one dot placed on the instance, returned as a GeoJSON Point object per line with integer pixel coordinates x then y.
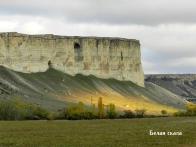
{"type": "Point", "coordinates": [128, 114]}
{"type": "Point", "coordinates": [180, 113]}
{"type": "Point", "coordinates": [140, 113]}
{"type": "Point", "coordinates": [9, 111]}
{"type": "Point", "coordinates": [190, 111]}
{"type": "Point", "coordinates": [19, 110]}
{"type": "Point", "coordinates": [72, 113]}
{"type": "Point", "coordinates": [40, 113]}
{"type": "Point", "coordinates": [77, 112]}
{"type": "Point", "coordinates": [164, 112]}
{"type": "Point", "coordinates": [88, 115]}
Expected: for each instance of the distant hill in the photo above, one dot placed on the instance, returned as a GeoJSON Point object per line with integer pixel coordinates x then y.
{"type": "Point", "coordinates": [54, 90]}
{"type": "Point", "coordinates": [183, 85]}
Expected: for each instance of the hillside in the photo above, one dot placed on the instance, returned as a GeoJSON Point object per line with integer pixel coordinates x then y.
{"type": "Point", "coordinates": [54, 90]}
{"type": "Point", "coordinates": [183, 85]}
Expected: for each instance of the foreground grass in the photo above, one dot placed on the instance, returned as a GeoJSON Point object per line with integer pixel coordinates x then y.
{"type": "Point", "coordinates": [117, 133]}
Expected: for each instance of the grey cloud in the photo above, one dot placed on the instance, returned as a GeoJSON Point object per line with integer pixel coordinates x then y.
{"type": "Point", "coordinates": [159, 62]}
{"type": "Point", "coordinates": [149, 12]}
{"type": "Point", "coordinates": [166, 28]}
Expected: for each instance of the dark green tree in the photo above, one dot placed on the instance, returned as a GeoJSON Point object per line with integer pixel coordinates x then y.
{"type": "Point", "coordinates": [100, 108]}
{"type": "Point", "coordinates": [111, 111]}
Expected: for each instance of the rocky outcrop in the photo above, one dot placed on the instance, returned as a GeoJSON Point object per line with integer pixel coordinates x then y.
{"type": "Point", "coordinates": [183, 85]}
{"type": "Point", "coordinates": [103, 57]}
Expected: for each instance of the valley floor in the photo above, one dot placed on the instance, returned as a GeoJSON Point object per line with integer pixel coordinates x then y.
{"type": "Point", "coordinates": [102, 133]}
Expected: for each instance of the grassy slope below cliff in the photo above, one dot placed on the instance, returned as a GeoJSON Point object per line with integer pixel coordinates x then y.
{"type": "Point", "coordinates": [53, 90]}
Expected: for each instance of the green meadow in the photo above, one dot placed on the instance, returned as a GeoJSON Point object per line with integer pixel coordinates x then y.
{"type": "Point", "coordinates": [99, 133]}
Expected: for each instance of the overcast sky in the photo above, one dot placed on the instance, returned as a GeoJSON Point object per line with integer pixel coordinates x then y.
{"type": "Point", "coordinates": [165, 28]}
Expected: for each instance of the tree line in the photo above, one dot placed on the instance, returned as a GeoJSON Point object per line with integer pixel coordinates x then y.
{"type": "Point", "coordinates": [20, 110]}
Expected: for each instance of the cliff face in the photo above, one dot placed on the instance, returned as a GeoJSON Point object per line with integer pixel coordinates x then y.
{"type": "Point", "coordinates": [103, 57]}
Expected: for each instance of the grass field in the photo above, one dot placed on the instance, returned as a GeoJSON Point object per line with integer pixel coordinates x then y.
{"type": "Point", "coordinates": [101, 133]}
